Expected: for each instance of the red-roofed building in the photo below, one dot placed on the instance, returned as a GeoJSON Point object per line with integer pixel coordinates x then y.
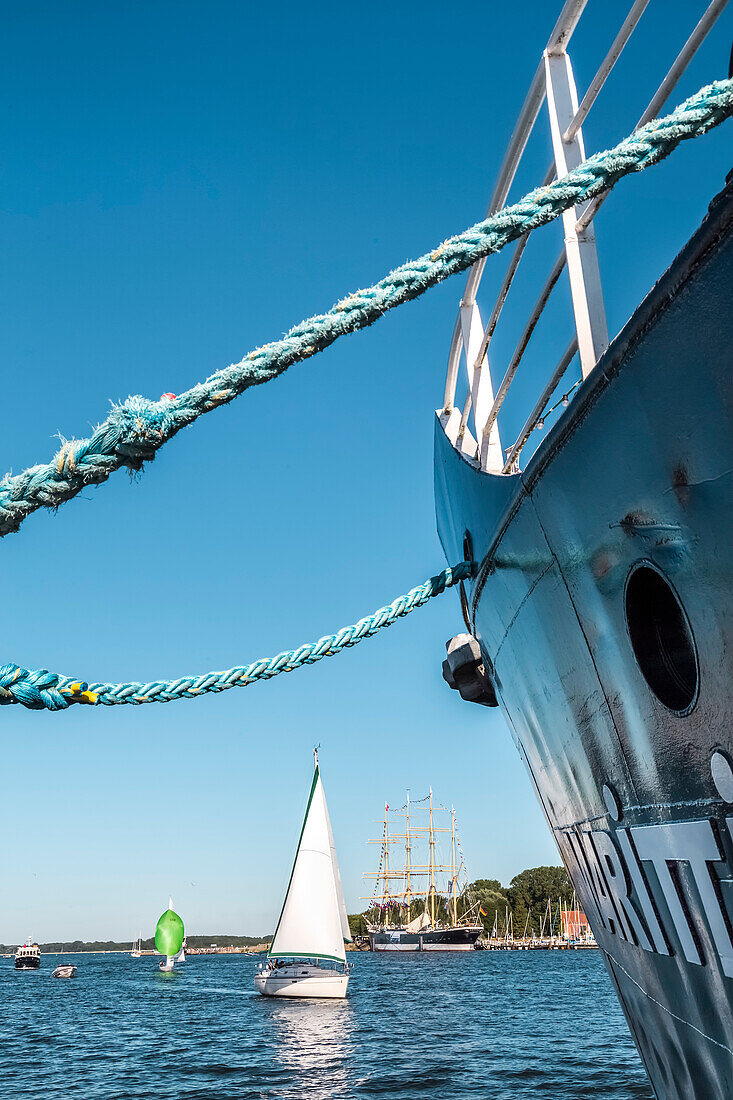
{"type": "Point", "coordinates": [575, 925]}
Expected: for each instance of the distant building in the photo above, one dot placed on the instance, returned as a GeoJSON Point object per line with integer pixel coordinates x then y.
{"type": "Point", "coordinates": [575, 926]}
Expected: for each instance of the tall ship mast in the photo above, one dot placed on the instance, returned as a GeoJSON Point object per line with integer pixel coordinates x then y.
{"type": "Point", "coordinates": [421, 900]}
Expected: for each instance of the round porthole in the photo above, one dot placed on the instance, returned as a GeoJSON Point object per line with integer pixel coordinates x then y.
{"type": "Point", "coordinates": [661, 638]}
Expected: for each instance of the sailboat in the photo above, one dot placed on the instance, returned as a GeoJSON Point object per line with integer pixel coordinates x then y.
{"type": "Point", "coordinates": [137, 948]}
{"type": "Point", "coordinates": [169, 939]}
{"type": "Point", "coordinates": [307, 957]}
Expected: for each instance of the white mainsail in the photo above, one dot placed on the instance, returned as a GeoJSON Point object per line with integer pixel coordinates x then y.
{"type": "Point", "coordinates": [345, 930]}
{"type": "Point", "coordinates": [313, 915]}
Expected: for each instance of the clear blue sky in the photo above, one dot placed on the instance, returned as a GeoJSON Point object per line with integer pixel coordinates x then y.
{"type": "Point", "coordinates": [182, 182]}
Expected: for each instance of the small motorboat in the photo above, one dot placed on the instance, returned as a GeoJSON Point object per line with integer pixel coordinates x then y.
{"type": "Point", "coordinates": [65, 970]}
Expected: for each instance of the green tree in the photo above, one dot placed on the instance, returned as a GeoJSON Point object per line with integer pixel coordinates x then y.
{"type": "Point", "coordinates": [492, 898]}
{"type": "Point", "coordinates": [529, 892]}
{"type": "Point", "coordinates": [357, 924]}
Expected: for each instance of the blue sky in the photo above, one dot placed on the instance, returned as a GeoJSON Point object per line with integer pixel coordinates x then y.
{"type": "Point", "coordinates": [182, 182]}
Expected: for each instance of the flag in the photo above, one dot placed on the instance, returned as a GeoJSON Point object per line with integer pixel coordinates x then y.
{"type": "Point", "coordinates": [386, 806]}
{"type": "Point", "coordinates": [483, 912]}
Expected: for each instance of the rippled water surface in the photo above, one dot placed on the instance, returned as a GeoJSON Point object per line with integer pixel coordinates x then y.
{"type": "Point", "coordinates": [495, 1025]}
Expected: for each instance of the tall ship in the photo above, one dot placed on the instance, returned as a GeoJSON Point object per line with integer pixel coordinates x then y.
{"type": "Point", "coordinates": [28, 956]}
{"type": "Point", "coordinates": [599, 613]}
{"type": "Point", "coordinates": [421, 902]}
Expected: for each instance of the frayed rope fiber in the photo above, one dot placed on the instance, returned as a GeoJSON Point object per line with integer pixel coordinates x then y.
{"type": "Point", "coordinates": [137, 428]}
{"type": "Point", "coordinates": [42, 690]}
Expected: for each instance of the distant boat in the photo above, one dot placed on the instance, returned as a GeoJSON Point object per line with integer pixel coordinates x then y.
{"type": "Point", "coordinates": [137, 948]}
{"type": "Point", "coordinates": [169, 939]}
{"type": "Point", "coordinates": [435, 915]}
{"type": "Point", "coordinates": [65, 970]}
{"type": "Point", "coordinates": [313, 925]}
{"type": "Point", "coordinates": [28, 956]}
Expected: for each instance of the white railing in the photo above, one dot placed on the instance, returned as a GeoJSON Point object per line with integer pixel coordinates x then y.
{"type": "Point", "coordinates": [473, 429]}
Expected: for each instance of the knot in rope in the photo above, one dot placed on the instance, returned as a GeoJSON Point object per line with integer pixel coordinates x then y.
{"type": "Point", "coordinates": [41, 690]}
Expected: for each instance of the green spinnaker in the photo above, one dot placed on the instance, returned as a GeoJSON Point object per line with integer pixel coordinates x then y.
{"type": "Point", "coordinates": [169, 933]}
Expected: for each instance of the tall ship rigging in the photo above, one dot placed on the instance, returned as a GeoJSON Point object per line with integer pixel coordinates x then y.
{"type": "Point", "coordinates": [415, 907]}
{"type": "Point", "coordinates": [599, 613]}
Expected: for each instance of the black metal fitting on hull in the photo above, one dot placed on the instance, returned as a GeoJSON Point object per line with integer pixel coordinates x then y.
{"type": "Point", "coordinates": [465, 672]}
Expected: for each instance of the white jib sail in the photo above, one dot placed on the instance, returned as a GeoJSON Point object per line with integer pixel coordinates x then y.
{"type": "Point", "coordinates": [310, 924]}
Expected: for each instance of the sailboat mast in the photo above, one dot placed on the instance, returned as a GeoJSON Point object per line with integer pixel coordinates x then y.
{"type": "Point", "coordinates": [432, 863]}
{"type": "Point", "coordinates": [453, 864]}
{"type": "Point", "coordinates": [407, 858]}
{"type": "Point", "coordinates": [386, 864]}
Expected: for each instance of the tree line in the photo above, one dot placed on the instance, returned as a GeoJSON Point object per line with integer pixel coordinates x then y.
{"type": "Point", "coordinates": [147, 945]}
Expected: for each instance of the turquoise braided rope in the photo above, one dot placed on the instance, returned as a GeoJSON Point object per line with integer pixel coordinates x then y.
{"type": "Point", "coordinates": [47, 690]}
{"type": "Point", "coordinates": [136, 429]}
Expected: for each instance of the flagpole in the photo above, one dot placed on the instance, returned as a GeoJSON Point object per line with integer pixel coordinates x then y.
{"type": "Point", "coordinates": [407, 855]}
{"type": "Point", "coordinates": [385, 895]}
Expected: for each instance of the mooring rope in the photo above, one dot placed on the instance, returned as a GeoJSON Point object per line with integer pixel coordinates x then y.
{"type": "Point", "coordinates": [138, 427]}
{"type": "Point", "coordinates": [47, 690]}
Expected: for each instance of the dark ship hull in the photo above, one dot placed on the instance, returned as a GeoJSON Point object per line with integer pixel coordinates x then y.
{"type": "Point", "coordinates": [603, 603]}
{"type": "Point", "coordinates": [437, 939]}
{"type": "Point", "coordinates": [27, 962]}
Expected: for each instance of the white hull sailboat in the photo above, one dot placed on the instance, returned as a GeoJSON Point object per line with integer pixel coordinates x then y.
{"type": "Point", "coordinates": [171, 961]}
{"type": "Point", "coordinates": [170, 939]}
{"type": "Point", "coordinates": [307, 957]}
{"type": "Point", "coordinates": [296, 980]}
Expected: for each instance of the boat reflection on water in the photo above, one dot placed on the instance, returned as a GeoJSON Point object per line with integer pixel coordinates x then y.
{"type": "Point", "coordinates": [315, 1045]}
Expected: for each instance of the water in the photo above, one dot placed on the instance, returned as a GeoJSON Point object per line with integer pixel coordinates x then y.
{"type": "Point", "coordinates": [495, 1025]}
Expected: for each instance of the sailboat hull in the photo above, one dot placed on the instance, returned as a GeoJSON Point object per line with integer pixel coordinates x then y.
{"type": "Point", "coordinates": [302, 981]}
